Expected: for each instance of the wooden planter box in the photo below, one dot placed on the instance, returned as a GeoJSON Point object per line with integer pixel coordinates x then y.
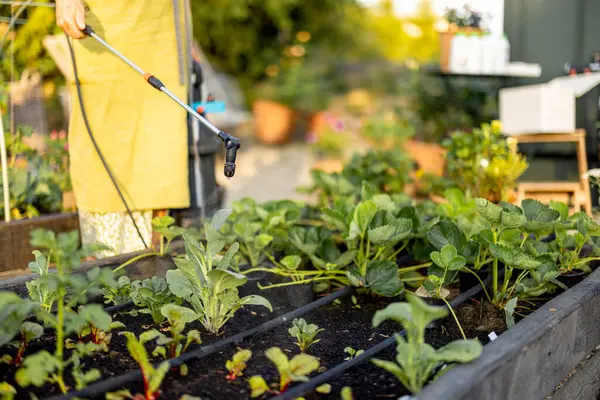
{"type": "Point", "coordinates": [15, 250]}
{"type": "Point", "coordinates": [546, 353]}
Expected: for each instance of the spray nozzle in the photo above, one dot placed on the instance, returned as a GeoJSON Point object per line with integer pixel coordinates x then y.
{"type": "Point", "coordinates": [232, 145]}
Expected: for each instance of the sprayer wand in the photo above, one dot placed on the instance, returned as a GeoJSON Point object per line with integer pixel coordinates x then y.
{"type": "Point", "coordinates": [232, 144]}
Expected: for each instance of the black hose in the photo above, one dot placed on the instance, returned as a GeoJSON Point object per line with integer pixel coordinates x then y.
{"type": "Point", "coordinates": [89, 130]}
{"type": "Point", "coordinates": [118, 382]}
{"type": "Point", "coordinates": [330, 375]}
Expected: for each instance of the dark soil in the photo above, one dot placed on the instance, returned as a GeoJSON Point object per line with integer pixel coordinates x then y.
{"type": "Point", "coordinates": [118, 361]}
{"type": "Point", "coordinates": [345, 324]}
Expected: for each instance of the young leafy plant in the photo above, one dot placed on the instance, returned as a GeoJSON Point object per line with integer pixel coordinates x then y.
{"type": "Point", "coordinates": [304, 333]}
{"type": "Point", "coordinates": [295, 370]}
{"type": "Point", "coordinates": [119, 293]}
{"type": "Point", "coordinates": [176, 343]}
{"type": "Point", "coordinates": [207, 283]}
{"type": "Point", "coordinates": [352, 353]}
{"type": "Point", "coordinates": [237, 364]}
{"type": "Point", "coordinates": [42, 289]}
{"type": "Point", "coordinates": [71, 289]}
{"type": "Point", "coordinates": [93, 325]}
{"type": "Point", "coordinates": [29, 331]}
{"type": "Point", "coordinates": [165, 227]}
{"type": "Point", "coordinates": [416, 361]}
{"type": "Point", "coordinates": [153, 377]}
{"type": "Point", "coordinates": [151, 295]}
{"type": "Point", "coordinates": [7, 391]}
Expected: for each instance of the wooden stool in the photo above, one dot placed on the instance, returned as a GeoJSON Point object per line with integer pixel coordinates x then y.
{"type": "Point", "coordinates": [577, 192]}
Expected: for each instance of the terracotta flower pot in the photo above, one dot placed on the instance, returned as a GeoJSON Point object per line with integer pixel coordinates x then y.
{"type": "Point", "coordinates": [317, 122]}
{"type": "Point", "coordinates": [274, 122]}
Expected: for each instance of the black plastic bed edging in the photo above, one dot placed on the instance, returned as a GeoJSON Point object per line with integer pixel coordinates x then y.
{"type": "Point", "coordinates": [118, 307]}
{"type": "Point", "coordinates": [118, 382]}
{"type": "Point", "coordinates": [329, 375]}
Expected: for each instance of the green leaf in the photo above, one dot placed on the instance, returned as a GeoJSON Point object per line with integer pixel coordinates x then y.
{"type": "Point", "coordinates": [7, 391]}
{"type": "Point", "coordinates": [489, 211]}
{"type": "Point", "coordinates": [157, 377]}
{"type": "Point", "coordinates": [95, 314]}
{"type": "Point", "coordinates": [13, 311]}
{"type": "Point", "coordinates": [258, 386]}
{"type": "Point", "coordinates": [225, 261]}
{"type": "Point", "coordinates": [446, 233]}
{"type": "Point", "coordinates": [509, 311]}
{"type": "Point", "coordinates": [36, 369]}
{"type": "Point", "coordinates": [382, 278]}
{"type": "Point", "coordinates": [263, 240]}
{"type": "Point", "coordinates": [363, 214]}
{"type": "Point", "coordinates": [220, 217]}
{"type": "Point", "coordinates": [254, 300]}
{"type": "Point", "coordinates": [462, 351]}
{"type": "Point", "coordinates": [346, 393]}
{"type": "Point", "coordinates": [561, 207]}
{"type": "Point", "coordinates": [31, 331]}
{"type": "Point", "coordinates": [448, 258]}
{"type": "Point", "coordinates": [178, 315]}
{"type": "Point", "coordinates": [514, 257]}
{"type": "Point", "coordinates": [324, 388]}
{"type": "Point", "coordinates": [162, 222]}
{"type": "Point", "coordinates": [381, 234]}
{"type": "Point", "coordinates": [278, 358]}
{"type": "Point", "coordinates": [512, 219]}
{"type": "Point", "coordinates": [223, 280]}
{"type": "Point", "coordinates": [303, 364]}
{"type": "Point", "coordinates": [291, 262]}
{"type": "Point", "coordinates": [40, 266]}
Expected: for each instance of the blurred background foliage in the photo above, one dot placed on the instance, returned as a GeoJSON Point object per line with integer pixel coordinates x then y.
{"type": "Point", "coordinates": [351, 47]}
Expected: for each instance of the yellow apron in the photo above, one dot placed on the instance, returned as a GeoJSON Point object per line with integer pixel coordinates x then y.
{"type": "Point", "coordinates": [141, 132]}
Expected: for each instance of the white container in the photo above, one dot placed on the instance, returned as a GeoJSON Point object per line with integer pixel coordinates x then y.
{"type": "Point", "coordinates": [501, 55]}
{"type": "Point", "coordinates": [474, 54]}
{"type": "Point", "coordinates": [459, 52]}
{"type": "Point", "coordinates": [546, 108]}
{"type": "Point", "coordinates": [488, 50]}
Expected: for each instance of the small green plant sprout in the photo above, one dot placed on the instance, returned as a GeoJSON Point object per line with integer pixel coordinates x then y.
{"type": "Point", "coordinates": [323, 389]}
{"type": "Point", "coordinates": [42, 289]}
{"type": "Point", "coordinates": [237, 364]}
{"type": "Point", "coordinates": [346, 393]}
{"type": "Point", "coordinates": [13, 312]}
{"type": "Point", "coordinates": [295, 370]}
{"type": "Point", "coordinates": [118, 292]}
{"type": "Point", "coordinates": [165, 227]}
{"type": "Point", "coordinates": [7, 391]}
{"type": "Point", "coordinates": [29, 331]}
{"type": "Point", "coordinates": [153, 377]}
{"type": "Point", "coordinates": [151, 295]}
{"type": "Point", "coordinates": [93, 325]}
{"type": "Point", "coordinates": [304, 334]}
{"type": "Point", "coordinates": [352, 353]}
{"type": "Point", "coordinates": [207, 283]}
{"type": "Point", "coordinates": [417, 361]}
{"type": "Point", "coordinates": [176, 343]}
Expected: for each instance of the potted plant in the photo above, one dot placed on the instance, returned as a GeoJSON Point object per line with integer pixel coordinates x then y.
{"type": "Point", "coordinates": [466, 21]}
{"type": "Point", "coordinates": [295, 83]}
{"type": "Point", "coordinates": [481, 163]}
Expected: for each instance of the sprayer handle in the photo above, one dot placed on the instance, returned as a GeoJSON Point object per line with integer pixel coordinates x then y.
{"type": "Point", "coordinates": [87, 30]}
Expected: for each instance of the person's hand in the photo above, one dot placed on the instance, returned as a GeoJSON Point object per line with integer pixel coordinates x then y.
{"type": "Point", "coordinates": [70, 16]}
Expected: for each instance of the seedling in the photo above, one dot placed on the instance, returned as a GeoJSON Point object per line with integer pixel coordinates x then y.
{"type": "Point", "coordinates": [7, 391]}
{"type": "Point", "coordinates": [29, 331]}
{"type": "Point", "coordinates": [165, 226]}
{"type": "Point", "coordinates": [416, 361]}
{"type": "Point", "coordinates": [352, 353]}
{"type": "Point", "coordinates": [237, 364]}
{"type": "Point", "coordinates": [295, 370]}
{"type": "Point", "coordinates": [42, 289]}
{"type": "Point", "coordinates": [151, 295]}
{"type": "Point", "coordinates": [177, 343]}
{"type": "Point", "coordinates": [153, 377]}
{"type": "Point", "coordinates": [119, 293]}
{"type": "Point", "coordinates": [94, 326]}
{"type": "Point", "coordinates": [346, 393]}
{"type": "Point", "coordinates": [207, 283]}
{"type": "Point", "coordinates": [304, 333]}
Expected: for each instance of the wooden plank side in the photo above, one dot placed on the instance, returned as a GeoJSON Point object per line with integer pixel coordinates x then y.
{"type": "Point", "coordinates": [15, 250]}
{"type": "Point", "coordinates": [583, 383]}
{"type": "Point", "coordinates": [529, 360]}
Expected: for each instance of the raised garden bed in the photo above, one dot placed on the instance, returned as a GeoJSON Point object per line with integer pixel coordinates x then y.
{"type": "Point", "coordinates": [15, 250]}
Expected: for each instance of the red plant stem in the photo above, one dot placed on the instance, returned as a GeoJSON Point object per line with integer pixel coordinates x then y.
{"type": "Point", "coordinates": [19, 356]}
